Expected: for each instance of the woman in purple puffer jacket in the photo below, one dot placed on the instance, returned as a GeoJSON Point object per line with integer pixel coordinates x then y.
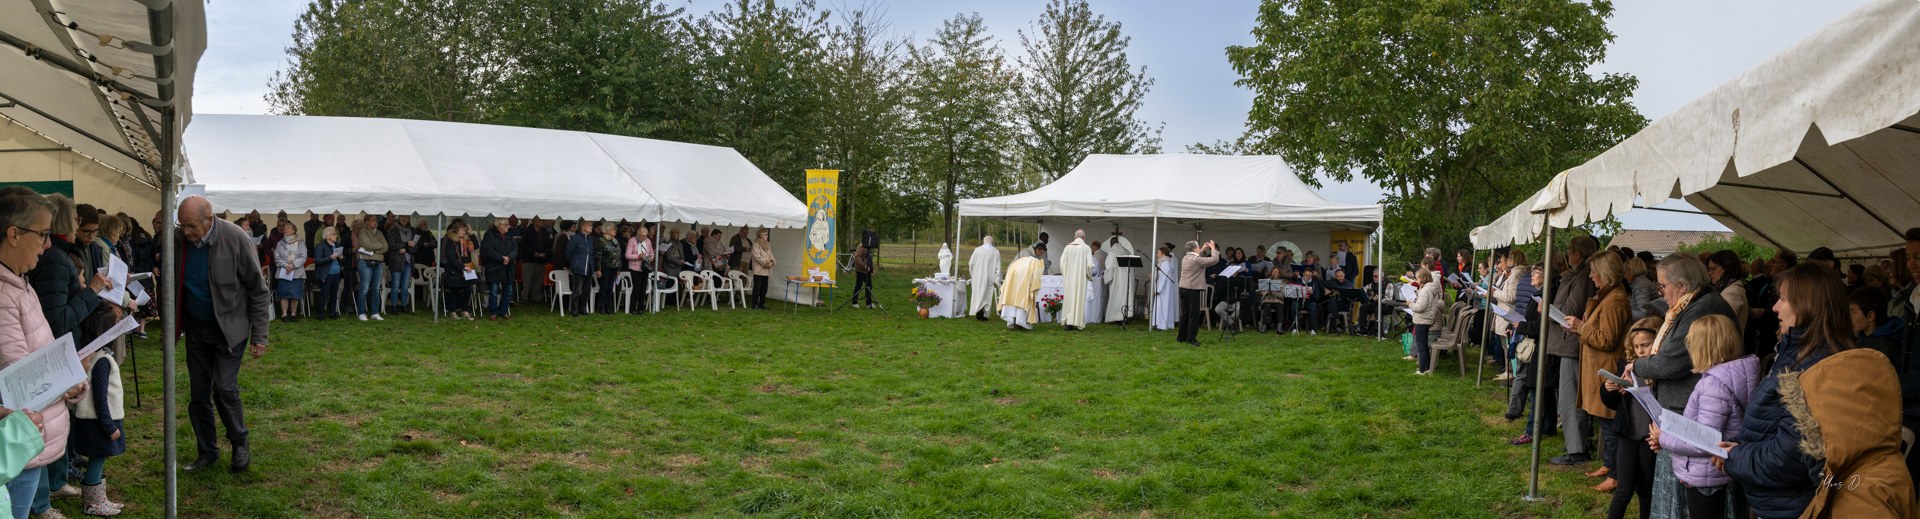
{"type": "Point", "coordinates": [1726, 384]}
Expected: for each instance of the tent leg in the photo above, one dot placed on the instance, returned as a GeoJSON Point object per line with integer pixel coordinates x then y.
{"type": "Point", "coordinates": [1486, 331]}
{"type": "Point", "coordinates": [169, 310]}
{"type": "Point", "coordinates": [1380, 299]}
{"type": "Point", "coordinates": [1153, 280]}
{"type": "Point", "coordinates": [434, 298]}
{"type": "Point", "coordinates": [1540, 373]}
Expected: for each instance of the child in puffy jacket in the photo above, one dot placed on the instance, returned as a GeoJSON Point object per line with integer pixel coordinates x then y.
{"type": "Point", "coordinates": [1719, 399]}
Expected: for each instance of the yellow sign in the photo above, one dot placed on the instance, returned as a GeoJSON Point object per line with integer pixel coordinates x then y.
{"type": "Point", "coordinates": [823, 202]}
{"type": "Point", "coordinates": [1357, 245]}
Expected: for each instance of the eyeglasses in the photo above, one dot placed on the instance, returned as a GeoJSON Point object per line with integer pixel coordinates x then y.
{"type": "Point", "coordinates": [45, 234]}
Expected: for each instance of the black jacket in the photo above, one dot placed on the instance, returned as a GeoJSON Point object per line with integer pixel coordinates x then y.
{"type": "Point", "coordinates": [495, 251]}
{"type": "Point", "coordinates": [424, 247]}
{"type": "Point", "coordinates": [453, 262]}
{"type": "Point", "coordinates": [535, 244]}
{"type": "Point", "coordinates": [1779, 478]}
{"type": "Point", "coordinates": [65, 301]}
{"type": "Point", "coordinates": [1673, 367]}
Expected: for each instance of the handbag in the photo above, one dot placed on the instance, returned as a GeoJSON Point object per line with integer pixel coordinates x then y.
{"type": "Point", "coordinates": [1524, 351]}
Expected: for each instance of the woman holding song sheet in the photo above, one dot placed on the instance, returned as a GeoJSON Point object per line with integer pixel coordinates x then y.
{"type": "Point", "coordinates": [28, 222]}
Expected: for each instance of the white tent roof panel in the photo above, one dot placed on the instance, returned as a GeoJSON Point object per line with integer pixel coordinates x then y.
{"type": "Point", "coordinates": [1177, 187]}
{"type": "Point", "coordinates": [353, 165]}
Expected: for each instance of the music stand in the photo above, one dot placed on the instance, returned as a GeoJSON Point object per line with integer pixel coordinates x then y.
{"type": "Point", "coordinates": [1126, 308]}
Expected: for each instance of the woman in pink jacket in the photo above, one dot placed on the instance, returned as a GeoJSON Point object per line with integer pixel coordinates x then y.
{"type": "Point", "coordinates": [26, 220]}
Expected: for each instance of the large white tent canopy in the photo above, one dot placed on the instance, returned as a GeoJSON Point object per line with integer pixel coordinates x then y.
{"type": "Point", "coordinates": [354, 165]}
{"type": "Point", "coordinates": [1817, 146]}
{"type": "Point", "coordinates": [1179, 188]}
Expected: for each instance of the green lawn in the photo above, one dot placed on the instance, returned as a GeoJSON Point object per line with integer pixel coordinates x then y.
{"type": "Point", "coordinates": [861, 413]}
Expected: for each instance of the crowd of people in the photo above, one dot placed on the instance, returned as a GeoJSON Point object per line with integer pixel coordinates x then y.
{"type": "Point", "coordinates": [375, 259]}
{"type": "Point", "coordinates": [1804, 368]}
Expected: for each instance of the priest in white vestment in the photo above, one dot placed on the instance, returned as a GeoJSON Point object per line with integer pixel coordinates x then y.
{"type": "Point", "coordinates": [984, 268]}
{"type": "Point", "coordinates": [1120, 280]}
{"type": "Point", "coordinates": [1076, 268]}
{"type": "Point", "coordinates": [1020, 289]}
{"type": "Point", "coordinates": [1166, 292]}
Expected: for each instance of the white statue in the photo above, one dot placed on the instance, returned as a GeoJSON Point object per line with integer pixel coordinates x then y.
{"type": "Point", "coordinates": [946, 261]}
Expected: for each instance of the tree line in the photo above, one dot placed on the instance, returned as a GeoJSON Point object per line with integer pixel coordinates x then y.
{"type": "Point", "coordinates": [913, 125]}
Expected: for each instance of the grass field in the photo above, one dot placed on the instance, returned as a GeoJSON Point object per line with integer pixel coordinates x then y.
{"type": "Point", "coordinates": [857, 414]}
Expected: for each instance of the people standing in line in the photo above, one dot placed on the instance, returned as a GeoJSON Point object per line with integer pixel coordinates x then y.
{"type": "Point", "coordinates": [740, 247]}
{"type": "Point", "coordinates": [639, 256]}
{"type": "Point", "coordinates": [862, 276]}
{"type": "Point", "coordinates": [97, 433]}
{"type": "Point", "coordinates": [57, 277]}
{"type": "Point", "coordinates": [1193, 281]}
{"type": "Point", "coordinates": [1727, 380]}
{"type": "Point", "coordinates": [371, 251]}
{"type": "Point", "coordinates": [400, 243]}
{"type": "Point", "coordinates": [496, 257]}
{"type": "Point", "coordinates": [1826, 413]}
{"type": "Point", "coordinates": [535, 247]}
{"type": "Point", "coordinates": [327, 259]}
{"type": "Point", "coordinates": [224, 304]}
{"type": "Point", "coordinates": [1562, 348]}
{"type": "Point", "coordinates": [1426, 306]}
{"type": "Point", "coordinates": [457, 273]}
{"type": "Point", "coordinates": [763, 264]}
{"type": "Point", "coordinates": [290, 269]}
{"type": "Point", "coordinates": [24, 328]}
{"type": "Point", "coordinates": [1600, 331]}
{"type": "Point", "coordinates": [580, 264]}
{"type": "Point", "coordinates": [1690, 297]}
{"type": "Point", "coordinates": [607, 262]}
{"type": "Point", "coordinates": [1633, 454]}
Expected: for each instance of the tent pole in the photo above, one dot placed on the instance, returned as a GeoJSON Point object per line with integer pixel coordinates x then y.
{"type": "Point", "coordinates": [1486, 331]}
{"type": "Point", "coordinates": [170, 333]}
{"type": "Point", "coordinates": [1153, 280]}
{"type": "Point", "coordinates": [1540, 371]}
{"type": "Point", "coordinates": [1380, 299]}
{"type": "Point", "coordinates": [441, 222]}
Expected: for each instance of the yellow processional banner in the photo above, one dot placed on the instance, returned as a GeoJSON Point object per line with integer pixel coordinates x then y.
{"type": "Point", "coordinates": [823, 202]}
{"type": "Point", "coordinates": [1357, 245]}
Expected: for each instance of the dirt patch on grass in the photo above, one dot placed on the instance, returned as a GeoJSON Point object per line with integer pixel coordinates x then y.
{"type": "Point", "coordinates": [1106, 474]}
{"type": "Point", "coordinates": [1296, 376]}
{"type": "Point", "coordinates": [1007, 400]}
{"type": "Point", "coordinates": [781, 389]}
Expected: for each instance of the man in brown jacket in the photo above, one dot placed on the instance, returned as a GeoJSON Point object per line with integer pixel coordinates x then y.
{"type": "Point", "coordinates": [1193, 280]}
{"type": "Point", "coordinates": [223, 305]}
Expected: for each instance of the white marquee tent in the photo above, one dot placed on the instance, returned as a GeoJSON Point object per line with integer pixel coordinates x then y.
{"type": "Point", "coordinates": [1816, 146]}
{"type": "Point", "coordinates": [1234, 200]}
{"type": "Point", "coordinates": [352, 165]}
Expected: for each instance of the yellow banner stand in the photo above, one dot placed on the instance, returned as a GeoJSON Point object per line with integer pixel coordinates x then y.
{"type": "Point", "coordinates": [823, 202]}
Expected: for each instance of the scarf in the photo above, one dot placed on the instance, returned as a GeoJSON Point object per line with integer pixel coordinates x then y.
{"type": "Point", "coordinates": [1673, 315]}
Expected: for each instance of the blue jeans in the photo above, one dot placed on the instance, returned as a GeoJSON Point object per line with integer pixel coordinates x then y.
{"type": "Point", "coordinates": [21, 489]}
{"type": "Point", "coordinates": [367, 296]}
{"type": "Point", "coordinates": [401, 286]}
{"type": "Point", "coordinates": [499, 299]}
{"type": "Point", "coordinates": [96, 471]}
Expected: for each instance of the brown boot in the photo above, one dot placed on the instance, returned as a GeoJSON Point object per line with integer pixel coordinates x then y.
{"type": "Point", "coordinates": [1606, 487]}
{"type": "Point", "coordinates": [95, 502]}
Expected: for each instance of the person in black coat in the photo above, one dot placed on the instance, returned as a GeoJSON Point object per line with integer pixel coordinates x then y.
{"type": "Point", "coordinates": [56, 279]}
{"type": "Point", "coordinates": [456, 257]}
{"type": "Point", "coordinates": [580, 264]}
{"type": "Point", "coordinates": [496, 257]}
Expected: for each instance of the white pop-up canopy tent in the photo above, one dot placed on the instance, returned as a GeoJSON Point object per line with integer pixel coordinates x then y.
{"type": "Point", "coordinates": [366, 165]}
{"type": "Point", "coordinates": [1817, 146]}
{"type": "Point", "coordinates": [1234, 200]}
{"type": "Point", "coordinates": [96, 93]}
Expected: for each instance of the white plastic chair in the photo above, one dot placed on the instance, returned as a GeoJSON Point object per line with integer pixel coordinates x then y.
{"type": "Point", "coordinates": [659, 294]}
{"type": "Point", "coordinates": [719, 283]}
{"type": "Point", "coordinates": [422, 283]}
{"type": "Point", "coordinates": [689, 287]}
{"type": "Point", "coordinates": [562, 290]}
{"type": "Point", "coordinates": [623, 292]}
{"type": "Point", "coordinates": [742, 286]}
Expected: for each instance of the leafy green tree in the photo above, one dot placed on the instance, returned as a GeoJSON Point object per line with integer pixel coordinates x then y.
{"type": "Point", "coordinates": [621, 67]}
{"type": "Point", "coordinates": [763, 63]}
{"type": "Point", "coordinates": [1747, 249]}
{"type": "Point", "coordinates": [1458, 109]}
{"type": "Point", "coordinates": [1078, 94]}
{"type": "Point", "coordinates": [863, 80]}
{"type": "Point", "coordinates": [960, 126]}
{"type": "Point", "coordinates": [428, 59]}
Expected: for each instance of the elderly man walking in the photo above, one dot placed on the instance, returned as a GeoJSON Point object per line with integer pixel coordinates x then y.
{"type": "Point", "coordinates": [223, 307]}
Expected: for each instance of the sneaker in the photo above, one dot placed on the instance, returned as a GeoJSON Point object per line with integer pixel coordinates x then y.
{"type": "Point", "coordinates": [1409, 357]}
{"type": "Point", "coordinates": [363, 317]}
{"type": "Point", "coordinates": [377, 317]}
{"type": "Point", "coordinates": [1571, 459]}
{"type": "Point", "coordinates": [856, 305]}
{"type": "Point", "coordinates": [1503, 376]}
{"type": "Point", "coordinates": [1521, 440]}
{"type": "Point", "coordinates": [66, 491]}
{"type": "Point", "coordinates": [1421, 372]}
{"type": "Point", "coordinates": [1313, 332]}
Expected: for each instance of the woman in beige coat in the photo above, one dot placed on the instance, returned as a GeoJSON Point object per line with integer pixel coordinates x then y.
{"type": "Point", "coordinates": [762, 268]}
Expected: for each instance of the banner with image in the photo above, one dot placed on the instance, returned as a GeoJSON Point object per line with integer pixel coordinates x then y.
{"type": "Point", "coordinates": [823, 200]}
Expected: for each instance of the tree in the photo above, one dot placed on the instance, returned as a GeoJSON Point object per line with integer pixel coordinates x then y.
{"type": "Point", "coordinates": [1747, 249]}
{"type": "Point", "coordinates": [1458, 109]}
{"type": "Point", "coordinates": [430, 59]}
{"type": "Point", "coordinates": [862, 79]}
{"type": "Point", "coordinates": [960, 127]}
{"type": "Point", "coordinates": [621, 67]}
{"type": "Point", "coordinates": [762, 63]}
{"type": "Point", "coordinates": [1078, 95]}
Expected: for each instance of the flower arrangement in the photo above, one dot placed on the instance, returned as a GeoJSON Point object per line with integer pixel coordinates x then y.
{"type": "Point", "coordinates": [1051, 305]}
{"type": "Point", "coordinates": [924, 298]}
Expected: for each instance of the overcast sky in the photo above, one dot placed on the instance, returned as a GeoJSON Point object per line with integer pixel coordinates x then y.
{"type": "Point", "coordinates": [1679, 50]}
